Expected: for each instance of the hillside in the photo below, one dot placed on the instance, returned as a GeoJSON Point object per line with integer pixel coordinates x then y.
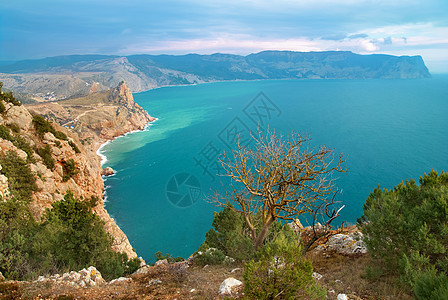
{"type": "Point", "coordinates": [81, 126]}
{"type": "Point", "coordinates": [65, 76]}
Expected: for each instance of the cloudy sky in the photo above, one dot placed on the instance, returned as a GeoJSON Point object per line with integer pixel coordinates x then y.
{"type": "Point", "coordinates": [36, 29]}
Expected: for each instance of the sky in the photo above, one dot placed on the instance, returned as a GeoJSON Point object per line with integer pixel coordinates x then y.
{"type": "Point", "coordinates": [32, 29]}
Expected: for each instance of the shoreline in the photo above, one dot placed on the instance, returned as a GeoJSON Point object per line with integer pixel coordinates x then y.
{"type": "Point", "coordinates": [101, 146]}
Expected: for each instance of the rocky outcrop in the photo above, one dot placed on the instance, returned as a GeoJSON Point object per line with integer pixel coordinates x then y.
{"type": "Point", "coordinates": [230, 286]}
{"type": "Point", "coordinates": [89, 277]}
{"type": "Point", "coordinates": [347, 244]}
{"type": "Point", "coordinates": [108, 171]}
{"type": "Point", "coordinates": [99, 121]}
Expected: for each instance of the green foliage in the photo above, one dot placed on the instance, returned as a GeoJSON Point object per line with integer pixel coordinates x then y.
{"type": "Point", "coordinates": [17, 141]}
{"type": "Point", "coordinates": [69, 168]}
{"type": "Point", "coordinates": [281, 272]}
{"type": "Point", "coordinates": [430, 286]}
{"type": "Point", "coordinates": [72, 237]}
{"type": "Point", "coordinates": [21, 143]}
{"type": "Point", "coordinates": [8, 97]}
{"type": "Point", "coordinates": [230, 235]}
{"type": "Point", "coordinates": [209, 256]}
{"type": "Point", "coordinates": [60, 135]}
{"type": "Point", "coordinates": [159, 256]}
{"type": "Point", "coordinates": [407, 227]}
{"type": "Point", "coordinates": [14, 127]}
{"type": "Point", "coordinates": [21, 180]}
{"type": "Point", "coordinates": [2, 107]}
{"type": "Point", "coordinates": [74, 147]}
{"type": "Point", "coordinates": [4, 133]}
{"type": "Point", "coordinates": [42, 126]}
{"type": "Point", "coordinates": [45, 153]}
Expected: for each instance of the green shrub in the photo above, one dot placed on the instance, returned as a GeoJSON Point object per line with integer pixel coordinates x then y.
{"type": "Point", "coordinates": [281, 272]}
{"type": "Point", "coordinates": [208, 256]}
{"type": "Point", "coordinates": [74, 147]}
{"type": "Point", "coordinates": [21, 143]}
{"type": "Point", "coordinates": [42, 126]}
{"type": "Point", "coordinates": [159, 256]}
{"type": "Point", "coordinates": [430, 286]}
{"type": "Point", "coordinates": [22, 182]}
{"type": "Point", "coordinates": [14, 127]}
{"type": "Point", "coordinates": [60, 135]}
{"type": "Point", "coordinates": [47, 159]}
{"type": "Point", "coordinates": [72, 237]}
{"type": "Point", "coordinates": [2, 107]}
{"type": "Point", "coordinates": [230, 235]}
{"type": "Point", "coordinates": [407, 227]}
{"type": "Point", "coordinates": [8, 97]}
{"type": "Point", "coordinates": [5, 133]}
{"type": "Point", "coordinates": [69, 168]}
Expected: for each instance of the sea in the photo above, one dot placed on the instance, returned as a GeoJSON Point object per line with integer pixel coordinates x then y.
{"type": "Point", "coordinates": [161, 195]}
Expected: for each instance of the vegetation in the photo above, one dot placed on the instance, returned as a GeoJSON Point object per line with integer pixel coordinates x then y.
{"type": "Point", "coordinates": [70, 237]}
{"type": "Point", "coordinates": [281, 272]}
{"type": "Point", "coordinates": [74, 147]}
{"type": "Point", "coordinates": [171, 259]}
{"type": "Point", "coordinates": [47, 159]}
{"type": "Point", "coordinates": [21, 179]}
{"type": "Point", "coordinates": [18, 141]}
{"type": "Point", "coordinates": [69, 168]}
{"type": "Point", "coordinates": [407, 229]}
{"type": "Point", "coordinates": [281, 179]}
{"type": "Point", "coordinates": [42, 126]}
{"type": "Point", "coordinates": [7, 97]}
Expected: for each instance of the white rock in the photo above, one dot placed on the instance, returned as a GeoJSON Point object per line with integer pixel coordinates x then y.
{"type": "Point", "coordinates": [228, 285]}
{"type": "Point", "coordinates": [235, 270]}
{"type": "Point", "coordinates": [317, 276]}
{"type": "Point", "coordinates": [120, 280]}
{"type": "Point", "coordinates": [161, 262]}
{"type": "Point", "coordinates": [1, 275]}
{"type": "Point", "coordinates": [143, 270]}
{"type": "Point", "coordinates": [342, 297]}
{"type": "Point", "coordinates": [154, 281]}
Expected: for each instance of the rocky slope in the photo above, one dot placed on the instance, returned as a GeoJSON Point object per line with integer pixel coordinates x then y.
{"type": "Point", "coordinates": [114, 114]}
{"type": "Point", "coordinates": [77, 73]}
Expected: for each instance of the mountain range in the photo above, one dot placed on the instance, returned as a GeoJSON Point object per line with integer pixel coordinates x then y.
{"type": "Point", "coordinates": [76, 74]}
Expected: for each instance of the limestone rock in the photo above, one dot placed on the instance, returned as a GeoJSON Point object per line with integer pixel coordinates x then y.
{"type": "Point", "coordinates": [229, 286]}
{"type": "Point", "coordinates": [161, 262]}
{"type": "Point", "coordinates": [347, 244]}
{"type": "Point", "coordinates": [108, 171]}
{"type": "Point", "coordinates": [19, 116]}
{"type": "Point", "coordinates": [342, 297]}
{"type": "Point", "coordinates": [89, 277]}
{"type": "Point", "coordinates": [2, 278]}
{"type": "Point", "coordinates": [121, 280]}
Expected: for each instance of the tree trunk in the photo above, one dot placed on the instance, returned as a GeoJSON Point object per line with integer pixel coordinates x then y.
{"type": "Point", "coordinates": [263, 233]}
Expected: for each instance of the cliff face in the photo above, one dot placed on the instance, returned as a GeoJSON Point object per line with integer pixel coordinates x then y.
{"type": "Point", "coordinates": [97, 122]}
{"type": "Point", "coordinates": [144, 72]}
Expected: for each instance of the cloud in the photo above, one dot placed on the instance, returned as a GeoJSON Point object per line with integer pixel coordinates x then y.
{"type": "Point", "coordinates": [358, 36]}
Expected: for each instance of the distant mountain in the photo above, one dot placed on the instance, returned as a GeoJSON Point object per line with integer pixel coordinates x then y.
{"type": "Point", "coordinates": [143, 72]}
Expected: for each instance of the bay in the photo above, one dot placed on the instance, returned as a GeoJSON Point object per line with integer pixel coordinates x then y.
{"type": "Point", "coordinates": [388, 130]}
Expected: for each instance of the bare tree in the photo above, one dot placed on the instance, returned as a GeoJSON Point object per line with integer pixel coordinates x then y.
{"type": "Point", "coordinates": [281, 178]}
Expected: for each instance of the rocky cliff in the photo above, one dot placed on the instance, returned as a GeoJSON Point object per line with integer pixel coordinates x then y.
{"type": "Point", "coordinates": [77, 73]}
{"type": "Point", "coordinates": [95, 120]}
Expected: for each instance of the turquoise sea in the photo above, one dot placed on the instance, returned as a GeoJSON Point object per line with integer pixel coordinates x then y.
{"type": "Point", "coordinates": [389, 130]}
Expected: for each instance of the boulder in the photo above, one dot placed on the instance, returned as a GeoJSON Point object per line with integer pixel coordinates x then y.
{"type": "Point", "coordinates": [229, 285]}
{"type": "Point", "coordinates": [347, 244]}
{"type": "Point", "coordinates": [120, 280]}
{"type": "Point", "coordinates": [108, 171]}
{"type": "Point", "coordinates": [19, 116]}
{"type": "Point", "coordinates": [342, 297]}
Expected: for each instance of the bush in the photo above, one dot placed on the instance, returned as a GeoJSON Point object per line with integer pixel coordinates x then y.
{"type": "Point", "coordinates": [72, 237]}
{"type": "Point", "coordinates": [7, 97]}
{"type": "Point", "coordinates": [4, 133]}
{"type": "Point", "coordinates": [159, 256]}
{"type": "Point", "coordinates": [208, 256]}
{"type": "Point", "coordinates": [74, 147]}
{"type": "Point", "coordinates": [60, 135]}
{"type": "Point", "coordinates": [45, 153]}
{"type": "Point", "coordinates": [430, 286]}
{"type": "Point", "coordinates": [17, 141]}
{"type": "Point", "coordinates": [281, 272]}
{"type": "Point", "coordinates": [42, 126]}
{"type": "Point", "coordinates": [230, 235]}
{"type": "Point", "coordinates": [407, 227]}
{"type": "Point", "coordinates": [22, 182]}
{"type": "Point", "coordinates": [69, 168]}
